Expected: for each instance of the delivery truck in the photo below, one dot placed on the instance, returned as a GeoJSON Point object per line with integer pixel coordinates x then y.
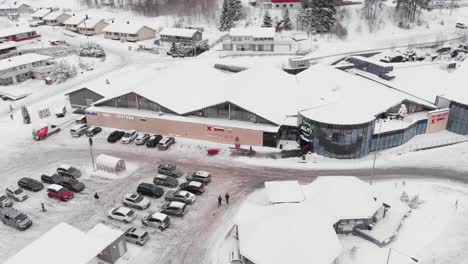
{"type": "Point", "coordinates": [44, 131]}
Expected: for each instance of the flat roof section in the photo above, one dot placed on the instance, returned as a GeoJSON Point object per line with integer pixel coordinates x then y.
{"type": "Point", "coordinates": [284, 192]}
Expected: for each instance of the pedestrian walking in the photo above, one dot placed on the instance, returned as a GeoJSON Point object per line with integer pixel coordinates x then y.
{"type": "Point", "coordinates": [11, 116]}
{"type": "Point", "coordinates": [11, 109]}
{"type": "Point", "coordinates": [227, 198]}
{"type": "Point", "coordinates": [220, 200]}
{"type": "Point", "coordinates": [456, 205]}
{"type": "Point", "coordinates": [96, 196]}
{"type": "Point", "coordinates": [43, 208]}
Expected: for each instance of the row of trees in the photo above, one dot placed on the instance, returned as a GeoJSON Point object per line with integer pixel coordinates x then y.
{"type": "Point", "coordinates": [231, 13]}
{"type": "Point", "coordinates": [285, 23]}
{"type": "Point", "coordinates": [408, 9]}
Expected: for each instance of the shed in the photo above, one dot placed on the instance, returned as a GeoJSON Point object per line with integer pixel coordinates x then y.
{"type": "Point", "coordinates": [110, 164]}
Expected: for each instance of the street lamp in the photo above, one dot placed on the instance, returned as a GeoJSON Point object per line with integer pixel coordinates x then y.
{"type": "Point", "coordinates": [90, 141]}
{"type": "Point", "coordinates": [375, 151]}
{"type": "Point", "coordinates": [390, 252]}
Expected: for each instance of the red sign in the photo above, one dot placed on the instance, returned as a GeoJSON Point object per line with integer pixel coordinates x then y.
{"type": "Point", "coordinates": [439, 117]}
{"type": "Point", "coordinates": [42, 132]}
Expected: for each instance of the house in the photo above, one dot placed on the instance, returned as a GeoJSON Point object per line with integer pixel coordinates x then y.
{"type": "Point", "coordinates": [73, 22]}
{"type": "Point", "coordinates": [256, 39]}
{"type": "Point", "coordinates": [92, 26]}
{"type": "Point", "coordinates": [99, 243]}
{"type": "Point", "coordinates": [280, 4]}
{"type": "Point", "coordinates": [56, 18]}
{"type": "Point", "coordinates": [128, 32]}
{"type": "Point", "coordinates": [179, 35]}
{"type": "Point", "coordinates": [7, 48]}
{"type": "Point", "coordinates": [14, 9]}
{"type": "Point", "coordinates": [18, 34]}
{"type": "Point", "coordinates": [41, 13]}
{"type": "Point", "coordinates": [20, 68]}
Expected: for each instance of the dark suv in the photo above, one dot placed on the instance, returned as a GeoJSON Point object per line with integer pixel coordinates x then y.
{"type": "Point", "coordinates": [68, 171]}
{"type": "Point", "coordinates": [165, 180]}
{"type": "Point", "coordinates": [150, 190]}
{"type": "Point", "coordinates": [30, 184]}
{"type": "Point", "coordinates": [115, 136]}
{"type": "Point", "coordinates": [51, 179]}
{"type": "Point", "coordinates": [153, 141]}
{"type": "Point", "coordinates": [72, 184]}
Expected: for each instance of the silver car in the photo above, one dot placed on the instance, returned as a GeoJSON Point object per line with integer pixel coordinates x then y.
{"type": "Point", "coordinates": [155, 219]}
{"type": "Point", "coordinates": [5, 201]}
{"type": "Point", "coordinates": [16, 193]}
{"type": "Point", "coordinates": [136, 236]}
{"type": "Point", "coordinates": [15, 218]}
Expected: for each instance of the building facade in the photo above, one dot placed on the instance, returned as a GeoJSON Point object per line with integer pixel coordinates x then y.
{"type": "Point", "coordinates": [179, 35]}
{"type": "Point", "coordinates": [20, 68]}
{"type": "Point", "coordinates": [18, 34]}
{"type": "Point", "coordinates": [73, 22]}
{"type": "Point", "coordinates": [256, 39]}
{"type": "Point", "coordinates": [15, 9]}
{"type": "Point", "coordinates": [280, 4]}
{"type": "Point", "coordinates": [128, 32]}
{"type": "Point", "coordinates": [91, 27]}
{"type": "Point", "coordinates": [458, 118]}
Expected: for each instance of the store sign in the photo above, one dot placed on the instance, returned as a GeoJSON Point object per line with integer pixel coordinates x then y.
{"type": "Point", "coordinates": [305, 129]}
{"type": "Point", "coordinates": [90, 113]}
{"type": "Point", "coordinates": [44, 113]}
{"type": "Point", "coordinates": [437, 117]}
{"type": "Point", "coordinates": [220, 134]}
{"type": "Point", "coordinates": [124, 117]}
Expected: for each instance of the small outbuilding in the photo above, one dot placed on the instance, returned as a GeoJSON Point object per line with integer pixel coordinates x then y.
{"type": "Point", "coordinates": [110, 164]}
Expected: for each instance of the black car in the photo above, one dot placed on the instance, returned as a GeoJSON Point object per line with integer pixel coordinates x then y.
{"type": "Point", "coordinates": [68, 171]}
{"type": "Point", "coordinates": [153, 141]}
{"type": "Point", "coordinates": [72, 184]}
{"type": "Point", "coordinates": [115, 136]}
{"type": "Point", "coordinates": [165, 180]}
{"type": "Point", "coordinates": [170, 170]}
{"type": "Point", "coordinates": [30, 184]}
{"type": "Point", "coordinates": [51, 179]}
{"type": "Point", "coordinates": [92, 131]}
{"type": "Point", "coordinates": [150, 190]}
{"type": "Point", "coordinates": [193, 187]}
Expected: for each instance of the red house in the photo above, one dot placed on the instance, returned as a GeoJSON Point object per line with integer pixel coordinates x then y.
{"type": "Point", "coordinates": [18, 34]}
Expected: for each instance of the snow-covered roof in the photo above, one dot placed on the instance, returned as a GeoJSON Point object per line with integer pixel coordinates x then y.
{"type": "Point", "coordinates": [54, 15]}
{"type": "Point", "coordinates": [286, 233]}
{"type": "Point", "coordinates": [90, 22]}
{"type": "Point", "coordinates": [347, 197]}
{"type": "Point", "coordinates": [40, 13]}
{"type": "Point", "coordinates": [178, 32]}
{"type": "Point", "coordinates": [7, 45]}
{"type": "Point", "coordinates": [55, 187]}
{"type": "Point", "coordinates": [6, 32]}
{"type": "Point", "coordinates": [256, 32]}
{"type": "Point", "coordinates": [195, 183]}
{"type": "Point", "coordinates": [104, 234]}
{"type": "Point", "coordinates": [65, 166]}
{"type": "Point", "coordinates": [159, 216]}
{"type": "Point", "coordinates": [123, 210]}
{"type": "Point", "coordinates": [123, 27]}
{"type": "Point", "coordinates": [177, 204]}
{"type": "Point", "coordinates": [284, 192]}
{"type": "Point", "coordinates": [107, 161]}
{"type": "Point", "coordinates": [75, 20]}
{"type": "Point", "coordinates": [21, 60]}
{"type": "Point", "coordinates": [12, 5]}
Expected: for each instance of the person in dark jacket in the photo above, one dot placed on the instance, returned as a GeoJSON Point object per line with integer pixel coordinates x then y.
{"type": "Point", "coordinates": [227, 198]}
{"type": "Point", "coordinates": [220, 200]}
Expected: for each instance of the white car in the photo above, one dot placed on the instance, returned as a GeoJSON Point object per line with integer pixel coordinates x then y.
{"type": "Point", "coordinates": [122, 214]}
{"type": "Point", "coordinates": [461, 26]}
{"type": "Point", "coordinates": [129, 137]}
{"type": "Point", "coordinates": [136, 201]}
{"type": "Point", "coordinates": [16, 193]}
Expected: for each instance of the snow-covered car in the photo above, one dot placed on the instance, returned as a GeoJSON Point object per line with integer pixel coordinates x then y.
{"type": "Point", "coordinates": [122, 214]}
{"type": "Point", "coordinates": [16, 193]}
{"type": "Point", "coordinates": [165, 180]}
{"type": "Point", "coordinates": [59, 192]}
{"type": "Point", "coordinates": [136, 236]}
{"type": "Point", "coordinates": [461, 26]}
{"type": "Point", "coordinates": [193, 187]}
{"type": "Point", "coordinates": [78, 130]}
{"type": "Point", "coordinates": [5, 201]}
{"type": "Point", "coordinates": [136, 201]}
{"type": "Point", "coordinates": [165, 143]}
{"type": "Point", "coordinates": [180, 196]}
{"type": "Point", "coordinates": [200, 176]}
{"type": "Point", "coordinates": [170, 170]}
{"type": "Point", "coordinates": [156, 219]}
{"type": "Point", "coordinates": [141, 139]}
{"type": "Point", "coordinates": [129, 136]}
{"type": "Point", "coordinates": [68, 171]}
{"type": "Point", "coordinates": [174, 209]}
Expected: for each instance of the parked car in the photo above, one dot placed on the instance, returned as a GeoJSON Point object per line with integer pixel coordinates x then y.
{"type": "Point", "coordinates": [170, 170]}
{"type": "Point", "coordinates": [51, 179]}
{"type": "Point", "coordinates": [122, 214]}
{"type": "Point", "coordinates": [78, 130]}
{"type": "Point", "coordinates": [92, 131]}
{"type": "Point", "coordinates": [461, 26]}
{"type": "Point", "coordinates": [5, 201]}
{"type": "Point", "coordinates": [180, 196]}
{"type": "Point", "coordinates": [193, 187]}
{"type": "Point", "coordinates": [30, 184]}
{"type": "Point", "coordinates": [150, 190]}
{"type": "Point", "coordinates": [37, 23]}
{"type": "Point", "coordinates": [16, 193]}
{"type": "Point", "coordinates": [153, 141]}
{"type": "Point", "coordinates": [115, 136]}
{"type": "Point", "coordinates": [136, 201]}
{"type": "Point", "coordinates": [174, 208]}
{"type": "Point", "coordinates": [165, 143]}
{"type": "Point", "coordinates": [200, 176]}
{"type": "Point", "coordinates": [14, 218]}
{"type": "Point", "coordinates": [165, 180]}
{"type": "Point", "coordinates": [68, 171]}
{"type": "Point", "coordinates": [72, 184]}
{"type": "Point", "coordinates": [59, 192]}
{"type": "Point", "coordinates": [141, 139]}
{"type": "Point", "coordinates": [129, 136]}
{"type": "Point", "coordinates": [156, 219]}
{"type": "Point", "coordinates": [136, 236]}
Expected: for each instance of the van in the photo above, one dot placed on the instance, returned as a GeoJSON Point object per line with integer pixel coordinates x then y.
{"type": "Point", "coordinates": [14, 218]}
{"type": "Point", "coordinates": [78, 130]}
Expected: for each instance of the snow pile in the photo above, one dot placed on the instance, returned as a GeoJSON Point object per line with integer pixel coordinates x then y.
{"type": "Point", "coordinates": [91, 49]}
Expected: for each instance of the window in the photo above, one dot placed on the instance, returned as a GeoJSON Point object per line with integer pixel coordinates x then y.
{"type": "Point", "coordinates": [277, 6]}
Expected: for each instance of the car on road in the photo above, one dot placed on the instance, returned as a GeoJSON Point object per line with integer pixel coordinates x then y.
{"type": "Point", "coordinates": [51, 179]}
{"type": "Point", "coordinates": [166, 181]}
{"type": "Point", "coordinates": [149, 189]}
{"type": "Point", "coordinates": [68, 171]}
{"type": "Point", "coordinates": [166, 142]}
{"type": "Point", "coordinates": [136, 201]}
{"type": "Point", "coordinates": [174, 209]}
{"type": "Point", "coordinates": [170, 170]}
{"type": "Point", "coordinates": [5, 201]}
{"type": "Point", "coordinates": [16, 193]}
{"type": "Point", "coordinates": [153, 141]}
{"type": "Point", "coordinates": [78, 130]}
{"type": "Point", "coordinates": [92, 131]}
{"type": "Point", "coordinates": [129, 137]}
{"type": "Point", "coordinates": [200, 176]}
{"type": "Point", "coordinates": [72, 184]}
{"type": "Point", "coordinates": [193, 187]}
{"type": "Point", "coordinates": [115, 136]}
{"type": "Point", "coordinates": [461, 26]}
{"type": "Point", "coordinates": [59, 192]}
{"type": "Point", "coordinates": [30, 184]}
{"type": "Point", "coordinates": [180, 196]}
{"type": "Point", "coordinates": [156, 219]}
{"type": "Point", "coordinates": [14, 218]}
{"type": "Point", "coordinates": [136, 236]}
{"type": "Point", "coordinates": [123, 214]}
{"type": "Point", "coordinates": [141, 139]}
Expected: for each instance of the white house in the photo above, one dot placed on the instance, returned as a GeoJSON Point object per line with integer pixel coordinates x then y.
{"type": "Point", "coordinates": [280, 4]}
{"type": "Point", "coordinates": [179, 35]}
{"type": "Point", "coordinates": [73, 22]}
{"type": "Point", "coordinates": [92, 26]}
{"type": "Point", "coordinates": [20, 68]}
{"type": "Point", "coordinates": [128, 32]}
{"type": "Point", "coordinates": [15, 8]}
{"type": "Point", "coordinates": [41, 13]}
{"type": "Point", "coordinates": [56, 18]}
{"type": "Point", "coordinates": [255, 39]}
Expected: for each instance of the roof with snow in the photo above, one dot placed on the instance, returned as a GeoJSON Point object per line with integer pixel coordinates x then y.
{"type": "Point", "coordinates": [7, 45]}
{"type": "Point", "coordinates": [21, 60]}
{"type": "Point", "coordinates": [14, 31]}
{"type": "Point", "coordinates": [54, 15]}
{"type": "Point", "coordinates": [284, 192]}
{"type": "Point", "coordinates": [179, 32]}
{"type": "Point", "coordinates": [91, 22]}
{"type": "Point", "coordinates": [84, 247]}
{"type": "Point", "coordinates": [107, 161]}
{"type": "Point", "coordinates": [75, 20]}
{"type": "Point", "coordinates": [256, 32]}
{"type": "Point", "coordinates": [40, 13]}
{"type": "Point", "coordinates": [128, 28]}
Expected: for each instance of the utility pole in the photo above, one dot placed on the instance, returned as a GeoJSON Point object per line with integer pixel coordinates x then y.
{"type": "Point", "coordinates": [90, 141]}
{"type": "Point", "coordinates": [375, 151]}
{"type": "Point", "coordinates": [390, 253]}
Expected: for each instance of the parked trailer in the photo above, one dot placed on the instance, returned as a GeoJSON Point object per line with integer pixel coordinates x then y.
{"type": "Point", "coordinates": [42, 132]}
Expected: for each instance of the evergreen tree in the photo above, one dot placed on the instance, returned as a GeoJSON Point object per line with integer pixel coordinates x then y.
{"type": "Point", "coordinates": [236, 10]}
{"type": "Point", "coordinates": [267, 21]}
{"type": "Point", "coordinates": [318, 15]}
{"type": "Point", "coordinates": [287, 21]}
{"type": "Point", "coordinates": [26, 117]}
{"type": "Point", "coordinates": [226, 21]}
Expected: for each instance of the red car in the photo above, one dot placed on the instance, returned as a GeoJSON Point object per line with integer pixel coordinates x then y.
{"type": "Point", "coordinates": [58, 192]}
